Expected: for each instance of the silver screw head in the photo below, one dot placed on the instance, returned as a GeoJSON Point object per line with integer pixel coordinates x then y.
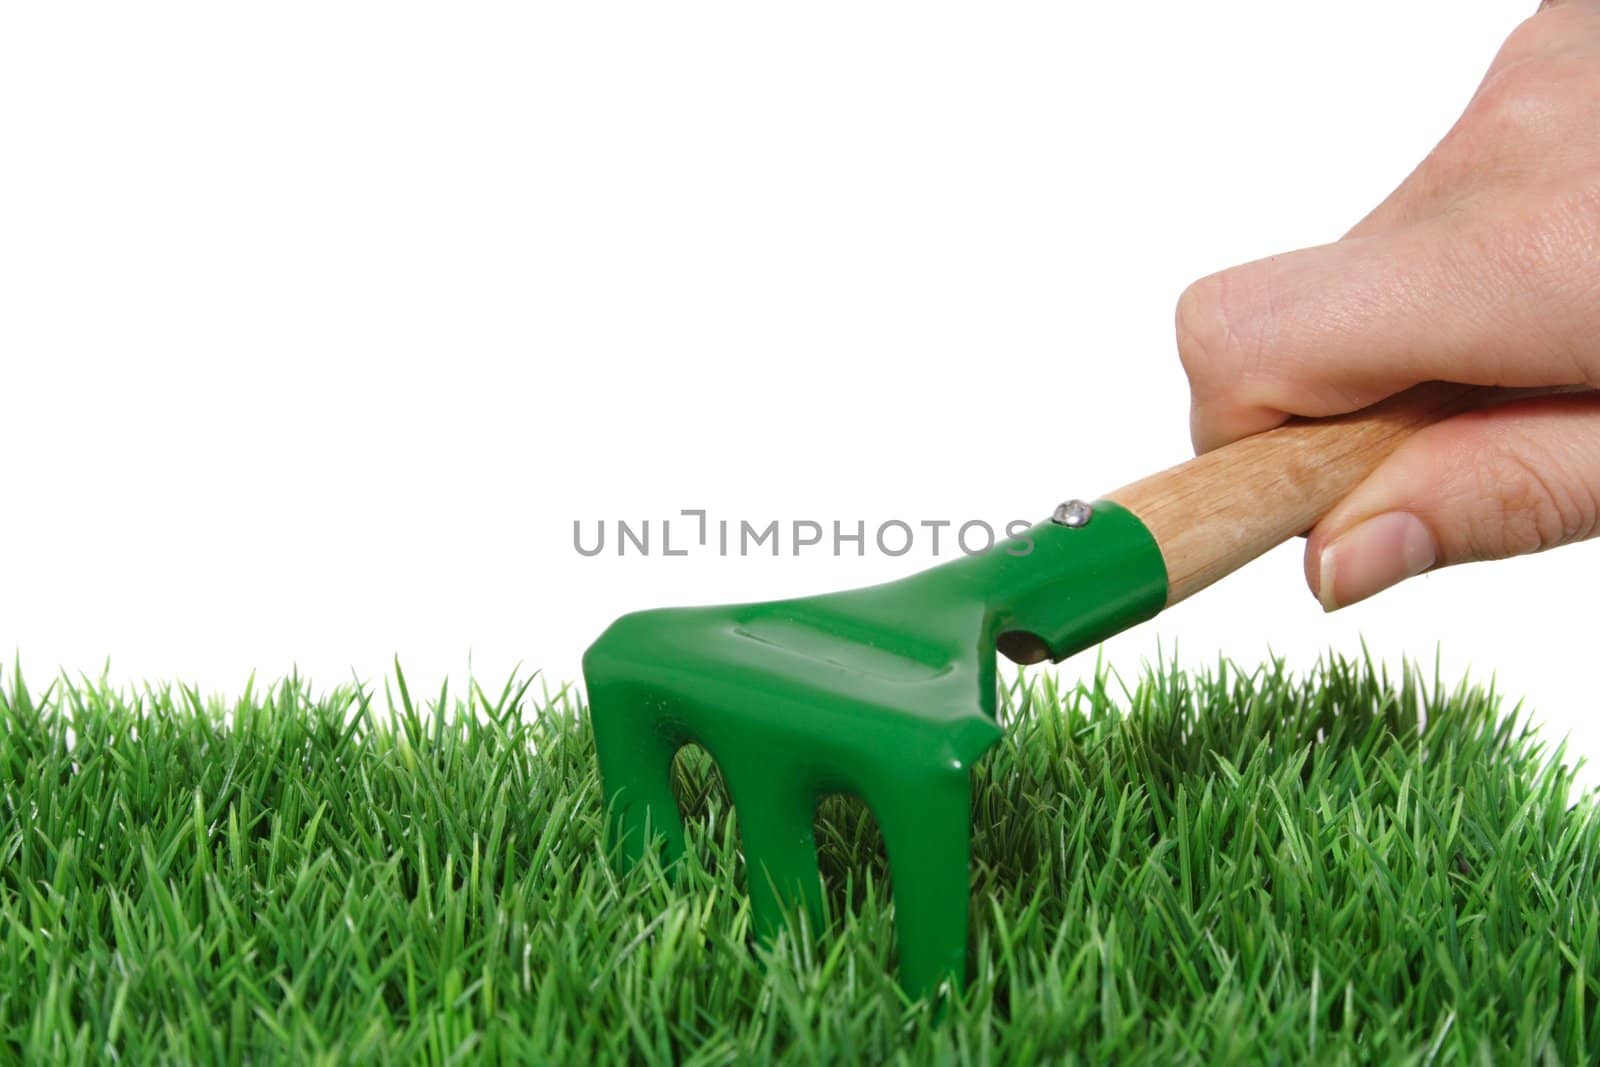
{"type": "Point", "coordinates": [1072, 514]}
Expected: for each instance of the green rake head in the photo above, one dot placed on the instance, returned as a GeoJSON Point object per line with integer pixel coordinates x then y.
{"type": "Point", "coordinates": [887, 693]}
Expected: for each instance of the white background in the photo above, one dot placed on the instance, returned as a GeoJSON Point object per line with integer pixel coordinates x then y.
{"type": "Point", "coordinates": [320, 324]}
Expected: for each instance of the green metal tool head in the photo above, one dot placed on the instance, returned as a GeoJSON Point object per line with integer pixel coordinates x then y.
{"type": "Point", "coordinates": [887, 693]}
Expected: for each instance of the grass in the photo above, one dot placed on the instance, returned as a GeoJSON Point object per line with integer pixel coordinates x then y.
{"type": "Point", "coordinates": [1207, 868]}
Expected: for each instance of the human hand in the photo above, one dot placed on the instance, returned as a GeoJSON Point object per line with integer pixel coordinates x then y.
{"type": "Point", "coordinates": [1483, 267]}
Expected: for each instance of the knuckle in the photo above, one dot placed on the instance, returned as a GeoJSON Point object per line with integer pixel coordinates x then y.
{"type": "Point", "coordinates": [1529, 506]}
{"type": "Point", "coordinates": [1531, 98]}
{"type": "Point", "coordinates": [1512, 106]}
{"type": "Point", "coordinates": [1207, 342]}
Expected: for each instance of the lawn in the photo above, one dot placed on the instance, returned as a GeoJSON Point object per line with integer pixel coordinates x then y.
{"type": "Point", "coordinates": [1194, 867]}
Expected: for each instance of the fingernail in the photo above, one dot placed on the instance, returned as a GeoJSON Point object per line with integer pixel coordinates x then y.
{"type": "Point", "coordinates": [1372, 556]}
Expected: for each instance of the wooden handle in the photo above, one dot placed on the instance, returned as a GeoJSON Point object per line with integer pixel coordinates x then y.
{"type": "Point", "coordinates": [1219, 511]}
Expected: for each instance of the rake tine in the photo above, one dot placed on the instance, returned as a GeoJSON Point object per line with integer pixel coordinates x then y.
{"type": "Point", "coordinates": [635, 756]}
{"type": "Point", "coordinates": [776, 814]}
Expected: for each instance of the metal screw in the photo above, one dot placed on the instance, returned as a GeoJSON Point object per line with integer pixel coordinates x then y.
{"type": "Point", "coordinates": [1072, 514]}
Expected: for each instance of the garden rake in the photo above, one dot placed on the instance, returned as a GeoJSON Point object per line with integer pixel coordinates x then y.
{"type": "Point", "coordinates": [888, 693]}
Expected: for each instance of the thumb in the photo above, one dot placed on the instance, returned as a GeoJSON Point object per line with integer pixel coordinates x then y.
{"type": "Point", "coordinates": [1501, 482]}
